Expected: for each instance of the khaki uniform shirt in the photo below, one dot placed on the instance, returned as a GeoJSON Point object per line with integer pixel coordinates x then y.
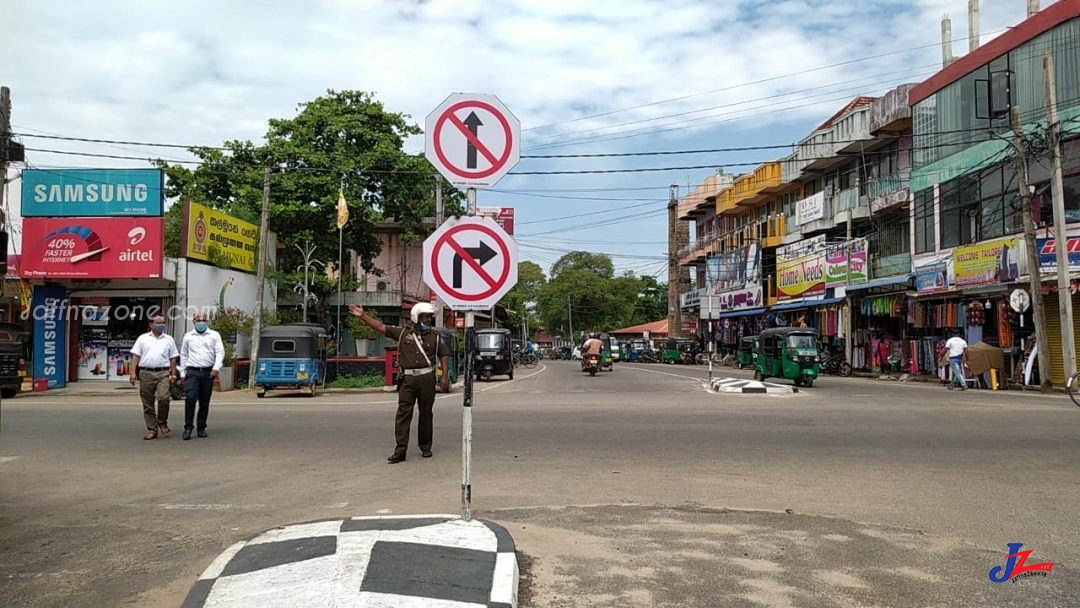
{"type": "Point", "coordinates": [409, 355]}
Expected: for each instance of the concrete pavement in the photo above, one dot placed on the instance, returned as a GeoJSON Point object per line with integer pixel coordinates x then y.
{"type": "Point", "coordinates": [90, 511]}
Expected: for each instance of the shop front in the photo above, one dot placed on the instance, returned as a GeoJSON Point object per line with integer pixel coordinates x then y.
{"type": "Point", "coordinates": [1052, 299]}
{"type": "Point", "coordinates": [735, 279]}
{"type": "Point", "coordinates": [969, 290]}
{"type": "Point", "coordinates": [879, 323]}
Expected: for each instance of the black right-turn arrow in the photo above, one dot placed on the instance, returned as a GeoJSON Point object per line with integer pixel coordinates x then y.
{"type": "Point", "coordinates": [481, 253]}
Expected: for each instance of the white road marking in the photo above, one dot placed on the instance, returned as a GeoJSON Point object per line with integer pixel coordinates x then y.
{"type": "Point", "coordinates": [194, 507]}
{"type": "Point", "coordinates": [506, 574]}
{"type": "Point", "coordinates": [4, 459]}
{"type": "Point", "coordinates": [516, 378]}
{"type": "Point", "coordinates": [703, 382]}
{"type": "Point", "coordinates": [214, 569]}
{"type": "Point", "coordinates": [340, 505]}
{"type": "Point", "coordinates": [384, 511]}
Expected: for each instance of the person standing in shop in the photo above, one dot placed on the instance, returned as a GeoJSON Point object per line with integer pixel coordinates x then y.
{"type": "Point", "coordinates": [201, 357]}
{"type": "Point", "coordinates": [957, 350]}
{"type": "Point", "coordinates": [153, 366]}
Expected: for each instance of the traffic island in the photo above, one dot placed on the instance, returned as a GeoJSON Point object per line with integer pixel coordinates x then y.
{"type": "Point", "coordinates": [366, 561]}
{"type": "Point", "coordinates": [738, 385]}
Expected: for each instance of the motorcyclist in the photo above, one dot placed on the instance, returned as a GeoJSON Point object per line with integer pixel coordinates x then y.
{"type": "Point", "coordinates": [592, 346]}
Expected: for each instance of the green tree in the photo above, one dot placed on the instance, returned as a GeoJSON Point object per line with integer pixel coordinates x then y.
{"type": "Point", "coordinates": [342, 141]}
{"type": "Point", "coordinates": [521, 300]}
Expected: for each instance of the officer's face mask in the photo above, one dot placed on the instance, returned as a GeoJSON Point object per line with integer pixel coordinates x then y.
{"type": "Point", "coordinates": [200, 326]}
{"type": "Point", "coordinates": [158, 328]}
{"type": "Point", "coordinates": [425, 322]}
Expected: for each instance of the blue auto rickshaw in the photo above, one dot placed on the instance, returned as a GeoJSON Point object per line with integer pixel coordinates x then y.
{"type": "Point", "coordinates": [291, 357]}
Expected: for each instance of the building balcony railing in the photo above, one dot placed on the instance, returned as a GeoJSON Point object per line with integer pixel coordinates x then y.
{"type": "Point", "coordinates": [890, 265]}
{"type": "Point", "coordinates": [887, 185]}
{"type": "Point", "coordinates": [850, 204]}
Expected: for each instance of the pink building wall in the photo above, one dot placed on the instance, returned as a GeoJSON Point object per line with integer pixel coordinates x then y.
{"type": "Point", "coordinates": [401, 264]}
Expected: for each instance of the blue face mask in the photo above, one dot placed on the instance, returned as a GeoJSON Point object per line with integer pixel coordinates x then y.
{"type": "Point", "coordinates": [200, 326]}
{"type": "Point", "coordinates": [159, 328]}
{"type": "Point", "coordinates": [424, 327]}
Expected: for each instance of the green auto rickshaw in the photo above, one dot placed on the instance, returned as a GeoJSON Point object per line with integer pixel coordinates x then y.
{"type": "Point", "coordinates": [790, 353]}
{"type": "Point", "coordinates": [744, 357]}
{"type": "Point", "coordinates": [675, 347]}
{"type": "Point", "coordinates": [607, 359]}
{"type": "Point", "coordinates": [453, 362]}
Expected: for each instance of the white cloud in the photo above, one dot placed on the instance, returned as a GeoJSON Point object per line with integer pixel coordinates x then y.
{"type": "Point", "coordinates": [202, 72]}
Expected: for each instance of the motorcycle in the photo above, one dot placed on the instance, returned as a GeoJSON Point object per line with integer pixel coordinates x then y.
{"type": "Point", "coordinates": [591, 364]}
{"type": "Point", "coordinates": [836, 364]}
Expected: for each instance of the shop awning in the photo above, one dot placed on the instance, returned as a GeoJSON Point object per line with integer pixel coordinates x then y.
{"type": "Point", "coordinates": [882, 282]}
{"type": "Point", "coordinates": [806, 304]}
{"type": "Point", "coordinates": [741, 313]}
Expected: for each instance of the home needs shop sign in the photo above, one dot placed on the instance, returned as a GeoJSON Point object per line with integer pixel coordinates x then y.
{"type": "Point", "coordinates": [800, 269]}
{"type": "Point", "coordinates": [92, 192]}
{"type": "Point", "coordinates": [207, 229]}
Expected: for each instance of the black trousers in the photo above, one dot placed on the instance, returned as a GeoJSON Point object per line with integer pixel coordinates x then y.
{"type": "Point", "coordinates": [199, 387]}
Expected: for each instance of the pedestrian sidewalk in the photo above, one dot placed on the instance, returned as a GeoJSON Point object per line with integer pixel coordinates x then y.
{"type": "Point", "coordinates": [125, 389]}
{"type": "Point", "coordinates": [406, 561]}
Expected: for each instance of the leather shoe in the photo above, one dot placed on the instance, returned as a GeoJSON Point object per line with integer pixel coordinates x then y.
{"type": "Point", "coordinates": [426, 453]}
{"type": "Point", "coordinates": [187, 434]}
{"type": "Point", "coordinates": [396, 458]}
{"type": "Point", "coordinates": [202, 434]}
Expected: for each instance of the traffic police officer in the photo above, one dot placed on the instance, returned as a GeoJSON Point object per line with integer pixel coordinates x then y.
{"type": "Point", "coordinates": [418, 348]}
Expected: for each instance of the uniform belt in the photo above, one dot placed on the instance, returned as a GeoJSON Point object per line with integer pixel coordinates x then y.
{"type": "Point", "coordinates": [423, 371]}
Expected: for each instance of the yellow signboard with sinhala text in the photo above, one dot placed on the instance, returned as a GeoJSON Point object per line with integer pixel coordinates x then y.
{"type": "Point", "coordinates": [207, 229]}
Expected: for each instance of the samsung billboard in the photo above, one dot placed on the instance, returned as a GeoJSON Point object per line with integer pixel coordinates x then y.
{"type": "Point", "coordinates": [92, 192]}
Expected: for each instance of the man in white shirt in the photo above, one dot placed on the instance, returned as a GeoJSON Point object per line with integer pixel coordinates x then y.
{"type": "Point", "coordinates": [153, 365]}
{"type": "Point", "coordinates": [957, 348]}
{"type": "Point", "coordinates": [201, 357]}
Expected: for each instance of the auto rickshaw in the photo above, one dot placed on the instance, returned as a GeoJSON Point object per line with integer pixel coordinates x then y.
{"type": "Point", "coordinates": [674, 348]}
{"type": "Point", "coordinates": [607, 357]}
{"type": "Point", "coordinates": [744, 357]}
{"type": "Point", "coordinates": [790, 353]}
{"type": "Point", "coordinates": [565, 353]}
{"type": "Point", "coordinates": [453, 362]}
{"type": "Point", "coordinates": [291, 357]}
{"type": "Point", "coordinates": [494, 355]}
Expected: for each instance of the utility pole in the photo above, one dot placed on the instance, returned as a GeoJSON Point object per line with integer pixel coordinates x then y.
{"type": "Point", "coordinates": [570, 316]}
{"type": "Point", "coordinates": [260, 280]}
{"type": "Point", "coordinates": [5, 149]}
{"type": "Point", "coordinates": [467, 398]}
{"type": "Point", "coordinates": [848, 341]}
{"type": "Point", "coordinates": [438, 222]}
{"type": "Point", "coordinates": [1068, 343]}
{"type": "Point", "coordinates": [1035, 286]}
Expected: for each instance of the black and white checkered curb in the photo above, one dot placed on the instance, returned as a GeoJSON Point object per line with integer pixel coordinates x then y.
{"type": "Point", "coordinates": [436, 561]}
{"type": "Point", "coordinates": [736, 385]}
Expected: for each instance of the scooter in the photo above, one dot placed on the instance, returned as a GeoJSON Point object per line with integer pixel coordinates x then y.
{"type": "Point", "coordinates": [591, 364]}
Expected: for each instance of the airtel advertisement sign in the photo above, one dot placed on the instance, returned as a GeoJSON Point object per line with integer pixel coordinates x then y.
{"type": "Point", "coordinates": [92, 248]}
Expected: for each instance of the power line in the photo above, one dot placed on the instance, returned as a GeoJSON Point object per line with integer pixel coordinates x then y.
{"type": "Point", "coordinates": [752, 83]}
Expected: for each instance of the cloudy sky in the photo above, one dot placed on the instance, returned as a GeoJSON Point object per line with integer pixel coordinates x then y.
{"type": "Point", "coordinates": [583, 77]}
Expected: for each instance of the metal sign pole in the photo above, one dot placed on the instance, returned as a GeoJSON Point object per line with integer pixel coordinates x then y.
{"type": "Point", "coordinates": [466, 409]}
{"type": "Point", "coordinates": [710, 332]}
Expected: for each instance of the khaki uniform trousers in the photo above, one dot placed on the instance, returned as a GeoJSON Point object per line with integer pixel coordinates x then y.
{"type": "Point", "coordinates": [419, 390]}
{"type": "Point", "coordinates": [154, 391]}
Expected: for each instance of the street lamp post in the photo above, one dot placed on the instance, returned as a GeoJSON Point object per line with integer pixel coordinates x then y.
{"type": "Point", "coordinates": [308, 267]}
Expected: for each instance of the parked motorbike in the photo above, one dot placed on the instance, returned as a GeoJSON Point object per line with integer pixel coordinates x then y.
{"type": "Point", "coordinates": [591, 364]}
{"type": "Point", "coordinates": [650, 356]}
{"type": "Point", "coordinates": [835, 364]}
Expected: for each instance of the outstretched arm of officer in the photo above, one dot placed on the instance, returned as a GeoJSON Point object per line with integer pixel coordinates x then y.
{"type": "Point", "coordinates": [358, 311]}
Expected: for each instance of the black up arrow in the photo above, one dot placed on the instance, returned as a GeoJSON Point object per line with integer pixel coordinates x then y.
{"type": "Point", "coordinates": [482, 254]}
{"type": "Point", "coordinates": [472, 121]}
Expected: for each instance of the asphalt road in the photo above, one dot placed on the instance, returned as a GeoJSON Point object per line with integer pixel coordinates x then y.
{"type": "Point", "coordinates": [634, 488]}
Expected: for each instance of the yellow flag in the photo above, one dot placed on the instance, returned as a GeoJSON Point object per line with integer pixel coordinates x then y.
{"type": "Point", "coordinates": [342, 210]}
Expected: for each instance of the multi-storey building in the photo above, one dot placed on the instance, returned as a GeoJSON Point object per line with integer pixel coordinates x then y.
{"type": "Point", "coordinates": [898, 218]}
{"type": "Point", "coordinates": [968, 253]}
